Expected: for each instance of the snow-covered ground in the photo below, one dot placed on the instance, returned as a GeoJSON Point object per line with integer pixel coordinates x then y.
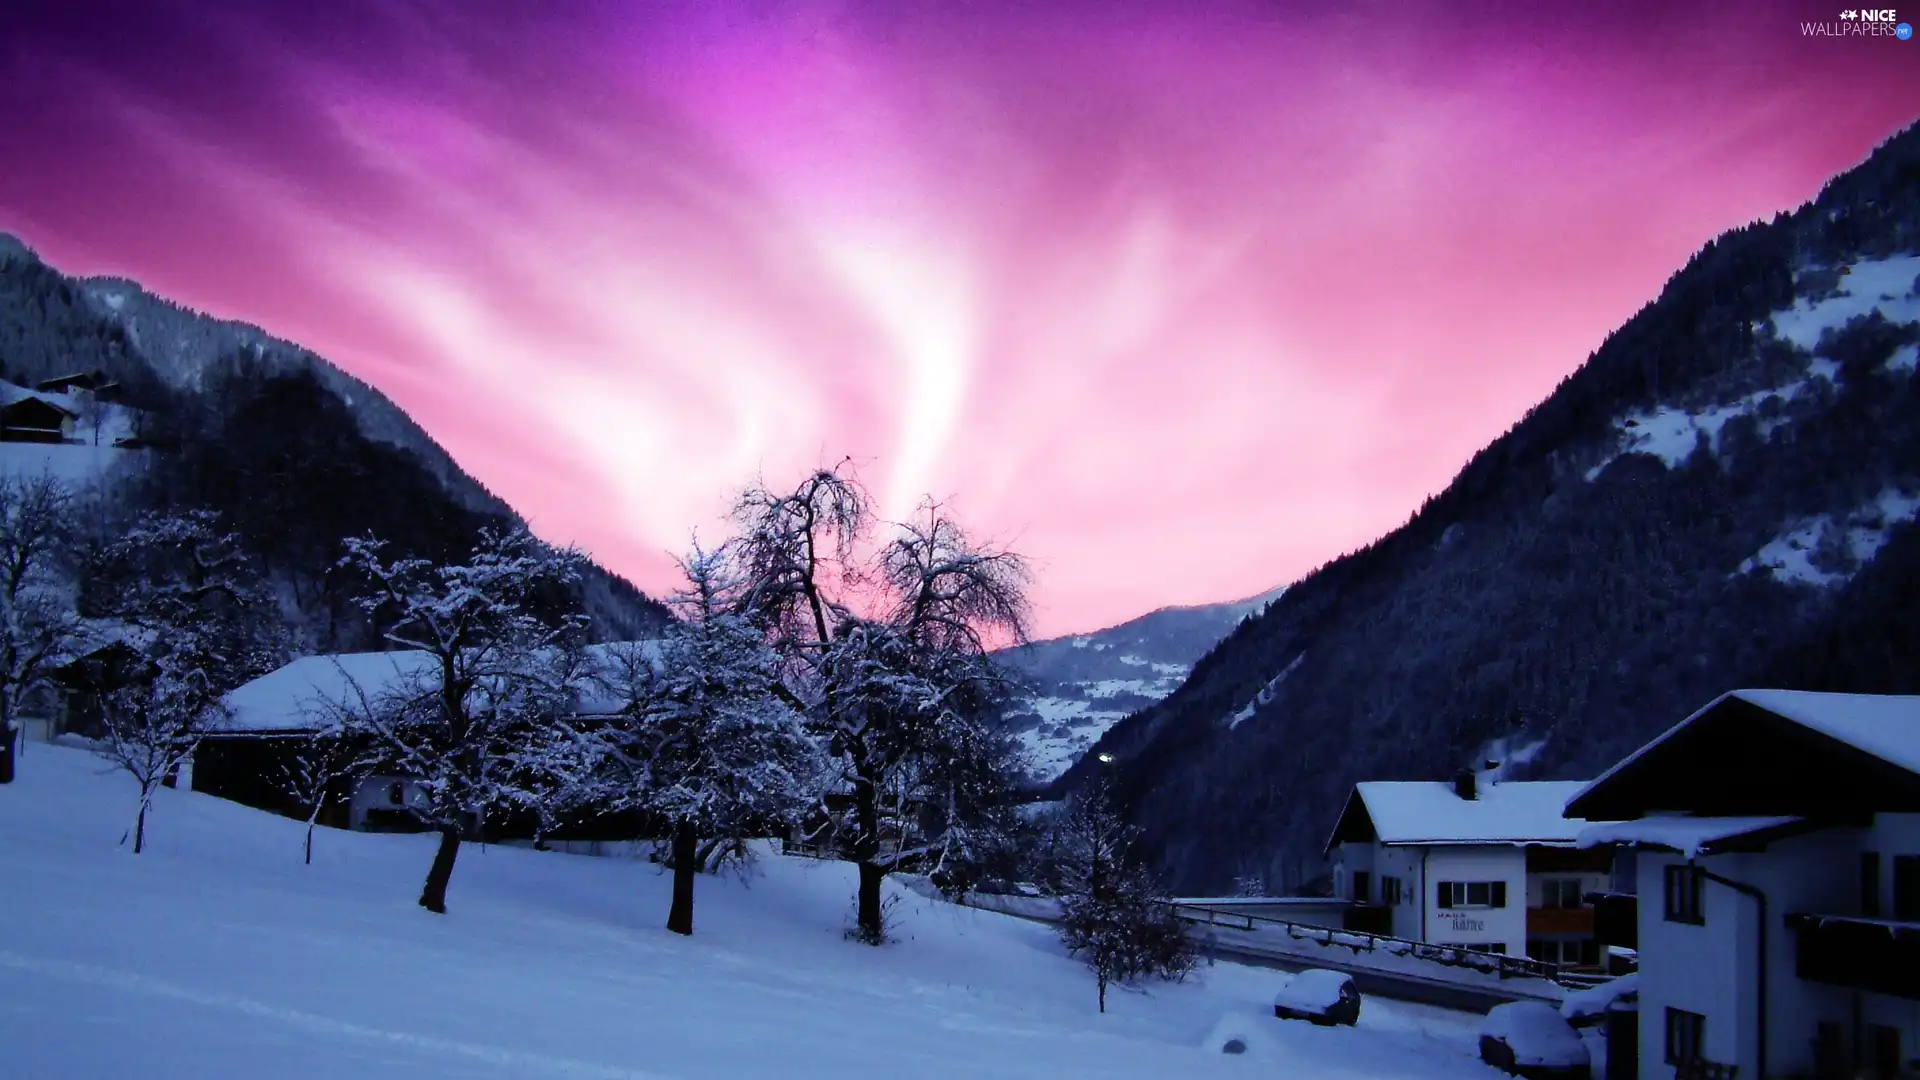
{"type": "Point", "coordinates": [217, 953]}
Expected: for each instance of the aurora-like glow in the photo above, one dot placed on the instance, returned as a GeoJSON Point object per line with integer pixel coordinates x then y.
{"type": "Point", "coordinates": [1182, 299]}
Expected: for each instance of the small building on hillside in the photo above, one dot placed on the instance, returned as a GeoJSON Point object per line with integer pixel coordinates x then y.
{"type": "Point", "coordinates": [1777, 837]}
{"type": "Point", "coordinates": [96, 383]}
{"type": "Point", "coordinates": [35, 420]}
{"type": "Point", "coordinates": [1477, 864]}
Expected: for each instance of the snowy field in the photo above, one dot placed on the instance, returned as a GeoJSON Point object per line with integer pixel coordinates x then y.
{"type": "Point", "coordinates": [217, 953]}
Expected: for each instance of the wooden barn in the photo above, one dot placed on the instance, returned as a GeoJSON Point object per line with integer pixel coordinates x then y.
{"type": "Point", "coordinates": [35, 420]}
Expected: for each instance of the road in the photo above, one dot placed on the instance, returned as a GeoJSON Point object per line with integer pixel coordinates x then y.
{"type": "Point", "coordinates": [1475, 997]}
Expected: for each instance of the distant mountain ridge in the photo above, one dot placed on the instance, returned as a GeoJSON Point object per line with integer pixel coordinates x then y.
{"type": "Point", "coordinates": [1721, 496]}
{"type": "Point", "coordinates": [1080, 685]}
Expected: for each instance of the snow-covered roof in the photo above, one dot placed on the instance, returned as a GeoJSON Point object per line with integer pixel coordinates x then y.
{"type": "Point", "coordinates": [1886, 726]}
{"type": "Point", "coordinates": [305, 694]}
{"type": "Point", "coordinates": [1510, 812]}
{"type": "Point", "coordinates": [1690, 836]}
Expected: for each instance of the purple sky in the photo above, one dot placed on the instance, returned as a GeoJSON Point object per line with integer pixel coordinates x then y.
{"type": "Point", "coordinates": [1180, 299]}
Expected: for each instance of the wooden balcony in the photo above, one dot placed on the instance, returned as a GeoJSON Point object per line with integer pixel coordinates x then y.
{"type": "Point", "coordinates": [1878, 956]}
{"type": "Point", "coordinates": [1560, 921]}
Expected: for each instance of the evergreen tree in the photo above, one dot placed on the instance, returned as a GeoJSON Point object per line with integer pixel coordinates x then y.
{"type": "Point", "coordinates": [1112, 915]}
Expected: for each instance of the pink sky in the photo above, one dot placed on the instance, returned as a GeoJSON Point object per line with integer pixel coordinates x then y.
{"type": "Point", "coordinates": [1181, 305]}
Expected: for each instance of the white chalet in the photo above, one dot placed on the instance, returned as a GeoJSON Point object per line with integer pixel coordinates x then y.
{"type": "Point", "coordinates": [1475, 863]}
{"type": "Point", "coordinates": [1777, 841]}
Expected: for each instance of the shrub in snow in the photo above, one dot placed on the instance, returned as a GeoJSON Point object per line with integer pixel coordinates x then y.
{"type": "Point", "coordinates": [1112, 916]}
{"type": "Point", "coordinates": [1323, 997]}
{"type": "Point", "coordinates": [1531, 1039]}
{"type": "Point", "coordinates": [1249, 1034]}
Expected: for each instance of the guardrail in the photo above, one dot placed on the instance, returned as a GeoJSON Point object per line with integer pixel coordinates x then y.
{"type": "Point", "coordinates": [1500, 964]}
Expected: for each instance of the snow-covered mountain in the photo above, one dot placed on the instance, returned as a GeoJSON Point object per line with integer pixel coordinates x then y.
{"type": "Point", "coordinates": [1081, 685]}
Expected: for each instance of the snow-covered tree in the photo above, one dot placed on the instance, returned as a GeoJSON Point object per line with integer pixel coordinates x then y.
{"type": "Point", "coordinates": [193, 607]}
{"type": "Point", "coordinates": [37, 619]}
{"type": "Point", "coordinates": [1112, 915]}
{"type": "Point", "coordinates": [323, 759]}
{"type": "Point", "coordinates": [477, 724]}
{"type": "Point", "coordinates": [709, 744]}
{"type": "Point", "coordinates": [889, 655]}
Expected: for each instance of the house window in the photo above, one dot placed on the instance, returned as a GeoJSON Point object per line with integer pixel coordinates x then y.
{"type": "Point", "coordinates": [1499, 947]}
{"type": "Point", "coordinates": [1362, 886]}
{"type": "Point", "coordinates": [1472, 894]}
{"type": "Point", "coordinates": [1870, 883]}
{"type": "Point", "coordinates": [1560, 893]}
{"type": "Point", "coordinates": [1683, 895]}
{"type": "Point", "coordinates": [396, 794]}
{"type": "Point", "coordinates": [1906, 887]}
{"type": "Point", "coordinates": [1686, 1035]}
{"type": "Point", "coordinates": [1390, 891]}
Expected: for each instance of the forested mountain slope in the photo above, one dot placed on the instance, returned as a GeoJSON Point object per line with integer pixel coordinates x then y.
{"type": "Point", "coordinates": [1721, 496]}
{"type": "Point", "coordinates": [293, 452]}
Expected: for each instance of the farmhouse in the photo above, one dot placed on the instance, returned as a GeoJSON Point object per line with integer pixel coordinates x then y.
{"type": "Point", "coordinates": [271, 719]}
{"type": "Point", "coordinates": [1475, 863]}
{"type": "Point", "coordinates": [1777, 841]}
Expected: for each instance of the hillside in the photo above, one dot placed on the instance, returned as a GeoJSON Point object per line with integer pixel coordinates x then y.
{"type": "Point", "coordinates": [1721, 496]}
{"type": "Point", "coordinates": [217, 953]}
{"type": "Point", "coordinates": [293, 451]}
{"type": "Point", "coordinates": [1077, 687]}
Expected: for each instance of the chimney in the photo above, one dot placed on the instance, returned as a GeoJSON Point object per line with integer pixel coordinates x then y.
{"type": "Point", "coordinates": [1463, 785]}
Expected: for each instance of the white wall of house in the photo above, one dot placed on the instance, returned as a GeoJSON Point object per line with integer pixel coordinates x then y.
{"type": "Point", "coordinates": [1477, 925]}
{"type": "Point", "coordinates": [376, 793]}
{"type": "Point", "coordinates": [1712, 969]}
{"type": "Point", "coordinates": [1702, 969]}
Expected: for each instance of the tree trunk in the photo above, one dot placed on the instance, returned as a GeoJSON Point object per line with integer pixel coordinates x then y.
{"type": "Point", "coordinates": [870, 928]}
{"type": "Point", "coordinates": [434, 896]}
{"type": "Point", "coordinates": [9, 738]}
{"type": "Point", "coordinates": [310, 821]}
{"type": "Point", "coordinates": [1101, 978]}
{"type": "Point", "coordinates": [140, 824]}
{"type": "Point", "coordinates": [686, 863]}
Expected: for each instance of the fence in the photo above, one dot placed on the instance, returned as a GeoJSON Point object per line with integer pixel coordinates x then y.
{"type": "Point", "coordinates": [1500, 964]}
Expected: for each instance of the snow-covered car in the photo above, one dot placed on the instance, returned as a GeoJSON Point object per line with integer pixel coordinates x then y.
{"type": "Point", "coordinates": [1322, 997]}
{"type": "Point", "coordinates": [1532, 1040]}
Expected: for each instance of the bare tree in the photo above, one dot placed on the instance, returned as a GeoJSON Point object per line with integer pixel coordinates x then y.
{"type": "Point", "coordinates": [902, 696]}
{"type": "Point", "coordinates": [197, 614]}
{"type": "Point", "coordinates": [323, 759]}
{"type": "Point", "coordinates": [150, 730]}
{"type": "Point", "coordinates": [37, 620]}
{"type": "Point", "coordinates": [475, 721]}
